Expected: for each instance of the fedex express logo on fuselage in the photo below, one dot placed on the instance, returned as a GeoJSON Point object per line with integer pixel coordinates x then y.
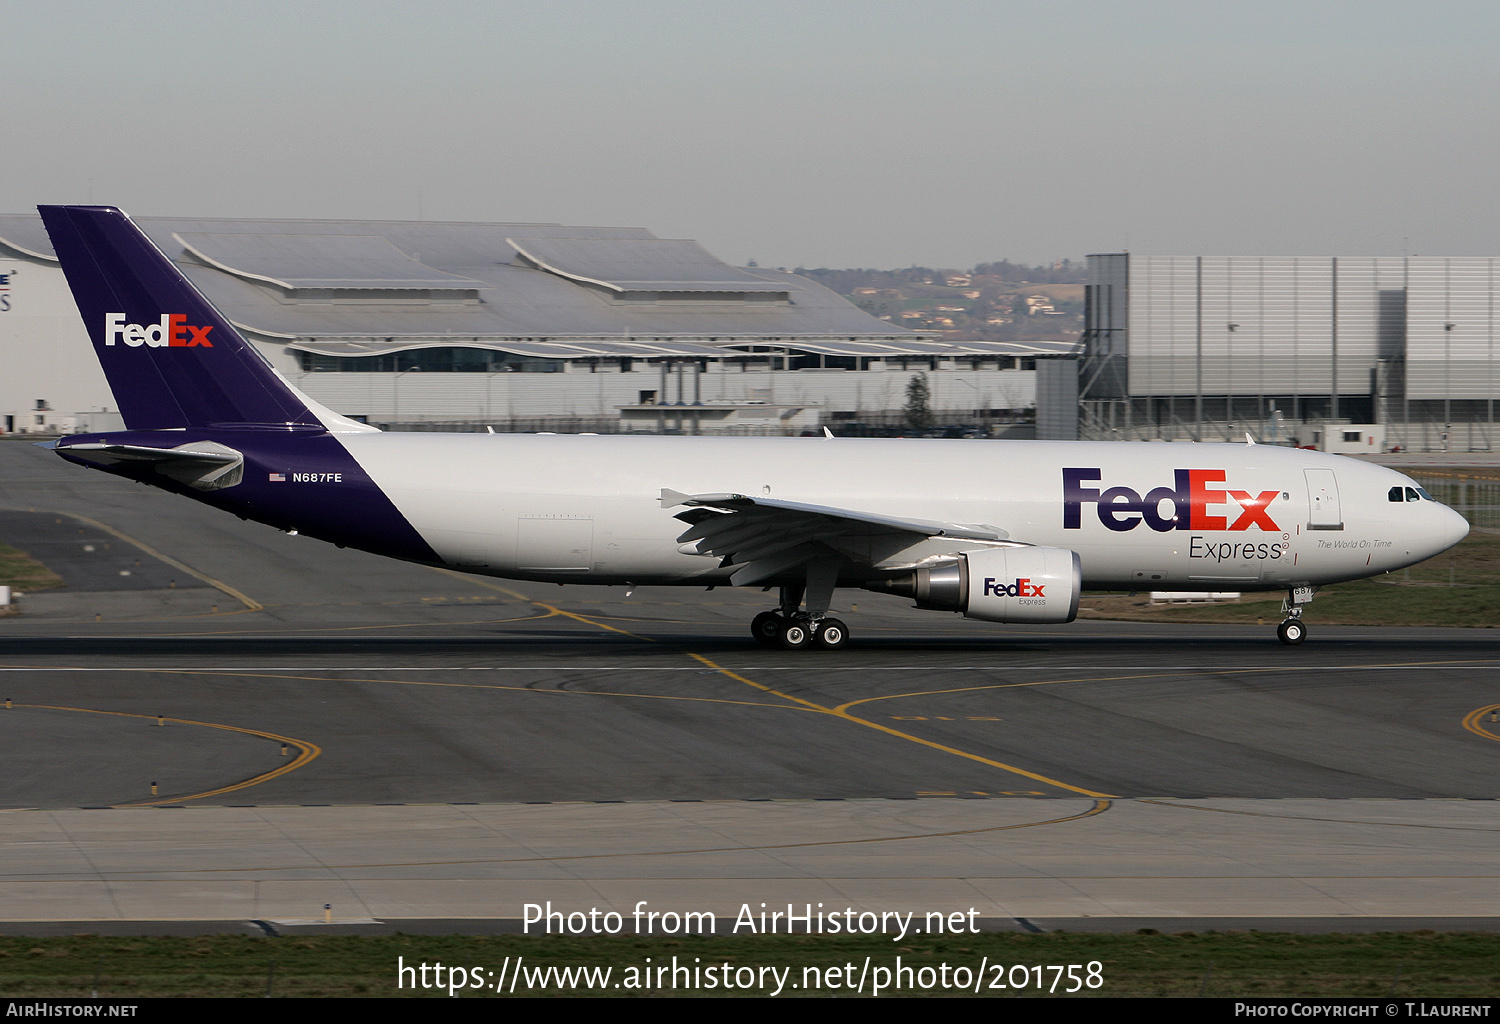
{"type": "Point", "coordinates": [1123, 508]}
{"type": "Point", "coordinates": [173, 331]}
{"type": "Point", "coordinates": [1020, 588]}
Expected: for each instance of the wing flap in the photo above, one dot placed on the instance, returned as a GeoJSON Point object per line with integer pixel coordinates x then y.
{"type": "Point", "coordinates": [770, 567]}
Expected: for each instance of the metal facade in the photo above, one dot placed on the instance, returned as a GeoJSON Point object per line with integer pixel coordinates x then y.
{"type": "Point", "coordinates": [1056, 400]}
{"type": "Point", "coordinates": [1450, 328]}
{"type": "Point", "coordinates": [1203, 346]}
{"type": "Point", "coordinates": [1249, 326]}
{"type": "Point", "coordinates": [1259, 325]}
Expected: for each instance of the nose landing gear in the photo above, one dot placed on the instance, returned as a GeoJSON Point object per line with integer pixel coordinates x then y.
{"type": "Point", "coordinates": [1292, 630]}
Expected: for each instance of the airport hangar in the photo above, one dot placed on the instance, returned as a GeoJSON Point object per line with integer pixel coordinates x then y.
{"type": "Point", "coordinates": [1348, 353]}
{"type": "Point", "coordinates": [550, 327]}
{"type": "Point", "coordinates": [512, 326]}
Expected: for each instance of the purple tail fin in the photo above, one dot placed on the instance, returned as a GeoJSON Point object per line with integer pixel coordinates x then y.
{"type": "Point", "coordinates": [171, 358]}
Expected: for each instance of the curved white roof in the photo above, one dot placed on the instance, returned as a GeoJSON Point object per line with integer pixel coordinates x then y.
{"type": "Point", "coordinates": [447, 281]}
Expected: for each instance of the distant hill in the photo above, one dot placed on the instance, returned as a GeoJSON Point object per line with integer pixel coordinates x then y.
{"type": "Point", "coordinates": [991, 301]}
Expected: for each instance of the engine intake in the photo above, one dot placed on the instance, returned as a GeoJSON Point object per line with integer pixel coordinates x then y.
{"type": "Point", "coordinates": [1022, 584]}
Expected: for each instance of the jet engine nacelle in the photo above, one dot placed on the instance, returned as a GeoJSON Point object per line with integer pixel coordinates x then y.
{"type": "Point", "coordinates": [1023, 584]}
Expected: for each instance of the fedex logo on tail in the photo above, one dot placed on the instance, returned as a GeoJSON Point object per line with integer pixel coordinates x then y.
{"type": "Point", "coordinates": [173, 331]}
{"type": "Point", "coordinates": [1188, 505]}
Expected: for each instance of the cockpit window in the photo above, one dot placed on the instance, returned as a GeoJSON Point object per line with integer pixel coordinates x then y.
{"type": "Point", "coordinates": [1396, 494]}
{"type": "Point", "coordinates": [1412, 495]}
{"type": "Point", "coordinates": [1409, 494]}
{"type": "Point", "coordinates": [1422, 493]}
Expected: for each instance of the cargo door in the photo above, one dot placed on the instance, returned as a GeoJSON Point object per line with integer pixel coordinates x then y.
{"type": "Point", "coordinates": [1324, 512]}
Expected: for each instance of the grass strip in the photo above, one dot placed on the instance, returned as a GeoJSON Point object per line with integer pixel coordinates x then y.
{"type": "Point", "coordinates": [1146, 964]}
{"type": "Point", "coordinates": [1458, 588]}
{"type": "Point", "coordinates": [24, 573]}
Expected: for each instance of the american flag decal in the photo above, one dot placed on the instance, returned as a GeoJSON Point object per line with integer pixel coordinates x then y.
{"type": "Point", "coordinates": [278, 478]}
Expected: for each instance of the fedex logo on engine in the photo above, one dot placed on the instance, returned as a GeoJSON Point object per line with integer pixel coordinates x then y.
{"type": "Point", "coordinates": [1020, 588]}
{"type": "Point", "coordinates": [1185, 506]}
{"type": "Point", "coordinates": [173, 331]}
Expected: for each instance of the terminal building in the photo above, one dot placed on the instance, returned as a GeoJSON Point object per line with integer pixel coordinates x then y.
{"type": "Point", "coordinates": [1347, 353]}
{"type": "Point", "coordinates": [511, 326]}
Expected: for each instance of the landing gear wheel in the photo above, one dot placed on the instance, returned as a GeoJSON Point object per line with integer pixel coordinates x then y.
{"type": "Point", "coordinates": [1291, 632]}
{"type": "Point", "coordinates": [831, 635]}
{"type": "Point", "coordinates": [793, 635]}
{"type": "Point", "coordinates": [764, 627]}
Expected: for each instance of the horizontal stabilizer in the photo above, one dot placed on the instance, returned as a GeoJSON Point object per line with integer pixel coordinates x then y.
{"type": "Point", "coordinates": [203, 465]}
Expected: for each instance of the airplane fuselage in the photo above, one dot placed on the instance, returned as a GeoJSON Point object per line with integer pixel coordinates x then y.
{"type": "Point", "coordinates": [580, 508]}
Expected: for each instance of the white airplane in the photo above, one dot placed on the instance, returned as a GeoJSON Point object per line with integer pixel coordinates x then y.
{"type": "Point", "coordinates": [999, 531]}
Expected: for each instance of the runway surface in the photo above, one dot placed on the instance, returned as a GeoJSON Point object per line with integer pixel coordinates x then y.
{"type": "Point", "coordinates": [271, 672]}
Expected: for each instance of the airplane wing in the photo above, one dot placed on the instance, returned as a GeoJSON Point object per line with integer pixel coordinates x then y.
{"type": "Point", "coordinates": [769, 537]}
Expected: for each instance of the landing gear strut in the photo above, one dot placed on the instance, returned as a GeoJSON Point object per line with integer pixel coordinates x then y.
{"type": "Point", "coordinates": [791, 628]}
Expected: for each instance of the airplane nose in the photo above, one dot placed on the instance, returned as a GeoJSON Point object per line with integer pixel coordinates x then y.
{"type": "Point", "coordinates": [1455, 528]}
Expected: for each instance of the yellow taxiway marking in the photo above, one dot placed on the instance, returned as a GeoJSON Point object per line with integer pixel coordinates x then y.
{"type": "Point", "coordinates": [842, 712]}
{"type": "Point", "coordinates": [307, 751]}
{"type": "Point", "coordinates": [839, 712]}
{"type": "Point", "coordinates": [250, 603]}
{"type": "Point", "coordinates": [1472, 719]}
{"type": "Point", "coordinates": [480, 581]}
{"type": "Point", "coordinates": [759, 686]}
{"type": "Point", "coordinates": [1010, 686]}
{"type": "Point", "coordinates": [239, 674]}
{"type": "Point", "coordinates": [1308, 817]}
{"type": "Point", "coordinates": [1166, 673]}
{"type": "Point", "coordinates": [1098, 807]}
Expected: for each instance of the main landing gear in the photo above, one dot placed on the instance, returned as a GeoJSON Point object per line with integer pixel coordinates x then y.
{"type": "Point", "coordinates": [792, 629]}
{"type": "Point", "coordinates": [799, 633]}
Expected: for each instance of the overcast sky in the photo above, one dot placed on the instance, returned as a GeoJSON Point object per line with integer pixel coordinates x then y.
{"type": "Point", "coordinates": [793, 132]}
